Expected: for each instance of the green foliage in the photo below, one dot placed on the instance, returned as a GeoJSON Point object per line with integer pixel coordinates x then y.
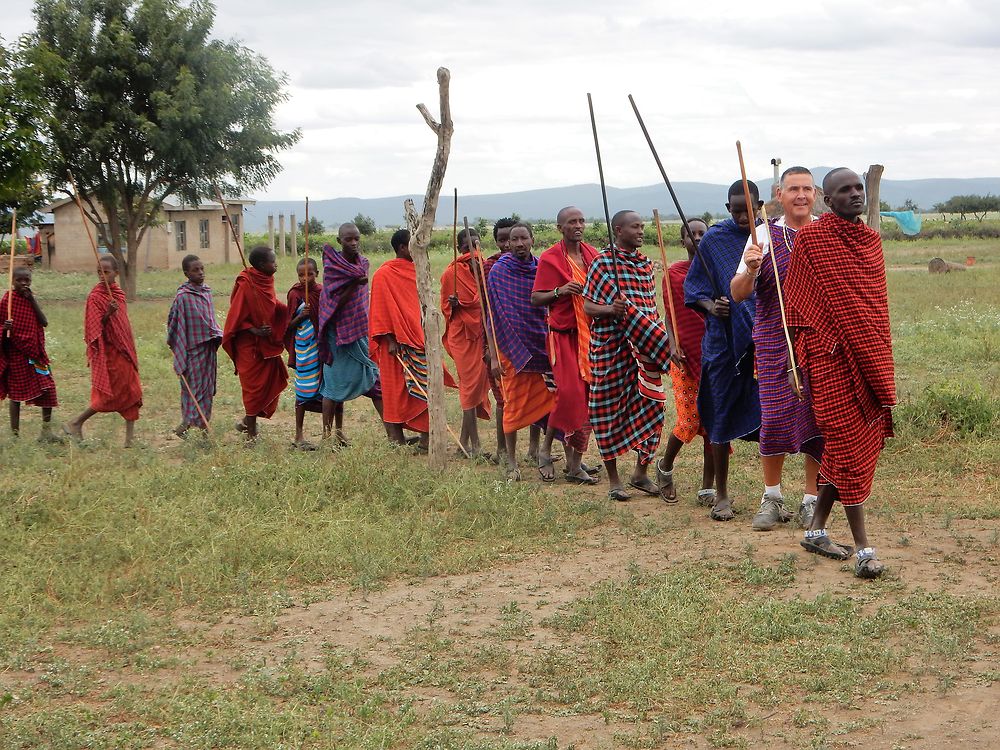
{"type": "Point", "coordinates": [365, 224]}
{"type": "Point", "coordinates": [316, 227]}
{"type": "Point", "coordinates": [884, 206]}
{"type": "Point", "coordinates": [977, 205]}
{"type": "Point", "coordinates": [909, 205]}
{"type": "Point", "coordinates": [142, 104]}
{"type": "Point", "coordinates": [963, 409]}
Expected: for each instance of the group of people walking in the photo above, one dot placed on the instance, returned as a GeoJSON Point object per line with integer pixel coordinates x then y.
{"type": "Point", "coordinates": [776, 333]}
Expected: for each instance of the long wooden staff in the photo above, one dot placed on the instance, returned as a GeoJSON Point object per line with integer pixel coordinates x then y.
{"type": "Point", "coordinates": [424, 394]}
{"type": "Point", "coordinates": [666, 281]}
{"type": "Point", "coordinates": [197, 406]}
{"type": "Point", "coordinates": [746, 194]}
{"type": "Point", "coordinates": [796, 383]}
{"type": "Point", "coordinates": [480, 281]}
{"type": "Point", "coordinates": [454, 242]}
{"type": "Point", "coordinates": [10, 270]}
{"type": "Point", "coordinates": [490, 327]}
{"type": "Point", "coordinates": [86, 226]}
{"type": "Point", "coordinates": [604, 195]}
{"type": "Point", "coordinates": [229, 221]}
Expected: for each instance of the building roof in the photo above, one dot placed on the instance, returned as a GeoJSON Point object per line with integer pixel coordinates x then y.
{"type": "Point", "coordinates": [169, 207]}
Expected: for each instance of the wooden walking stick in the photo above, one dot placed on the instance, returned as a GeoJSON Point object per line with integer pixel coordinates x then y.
{"type": "Point", "coordinates": [86, 226]}
{"type": "Point", "coordinates": [666, 281]}
{"type": "Point", "coordinates": [604, 195]}
{"type": "Point", "coordinates": [197, 406]}
{"type": "Point", "coordinates": [480, 281]}
{"type": "Point", "coordinates": [454, 242]}
{"type": "Point", "coordinates": [424, 394]}
{"type": "Point", "coordinates": [229, 221]}
{"type": "Point", "coordinates": [490, 326]}
{"type": "Point", "coordinates": [10, 269]}
{"type": "Point", "coordinates": [796, 383]}
{"type": "Point", "coordinates": [746, 195]}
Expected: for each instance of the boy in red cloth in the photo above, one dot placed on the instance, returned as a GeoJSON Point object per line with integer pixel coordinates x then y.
{"type": "Point", "coordinates": [24, 366]}
{"type": "Point", "coordinates": [464, 336]}
{"type": "Point", "coordinates": [254, 338]}
{"type": "Point", "coordinates": [114, 364]}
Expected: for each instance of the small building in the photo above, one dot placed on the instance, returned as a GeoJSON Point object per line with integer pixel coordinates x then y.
{"type": "Point", "coordinates": [179, 230]}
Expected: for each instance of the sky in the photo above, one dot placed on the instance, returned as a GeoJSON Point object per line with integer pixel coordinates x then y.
{"type": "Point", "coordinates": [910, 85]}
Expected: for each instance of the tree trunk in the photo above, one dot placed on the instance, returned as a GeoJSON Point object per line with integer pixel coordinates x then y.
{"type": "Point", "coordinates": [873, 178]}
{"type": "Point", "coordinates": [420, 237]}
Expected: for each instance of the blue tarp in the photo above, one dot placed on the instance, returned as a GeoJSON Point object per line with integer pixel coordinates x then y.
{"type": "Point", "coordinates": [909, 222]}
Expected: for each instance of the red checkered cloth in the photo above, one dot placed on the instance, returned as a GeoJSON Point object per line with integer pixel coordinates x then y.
{"type": "Point", "coordinates": [837, 301]}
{"type": "Point", "coordinates": [117, 334]}
{"type": "Point", "coordinates": [24, 366]}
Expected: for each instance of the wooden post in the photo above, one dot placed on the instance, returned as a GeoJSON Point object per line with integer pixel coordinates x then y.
{"type": "Point", "coordinates": [873, 179]}
{"type": "Point", "coordinates": [295, 236]}
{"type": "Point", "coordinates": [777, 176]}
{"type": "Point", "coordinates": [270, 231]}
{"type": "Point", "coordinates": [10, 267]}
{"type": "Point", "coordinates": [281, 234]}
{"type": "Point", "coordinates": [420, 236]}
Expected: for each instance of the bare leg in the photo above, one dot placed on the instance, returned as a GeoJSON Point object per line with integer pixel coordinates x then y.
{"type": "Point", "coordinates": [329, 408]}
{"type": "Point", "coordinates": [640, 474]}
{"type": "Point", "coordinates": [614, 481]}
{"type": "Point", "coordinates": [723, 508]}
{"type": "Point", "coordinates": [395, 433]}
{"type": "Point", "coordinates": [251, 425]}
{"type": "Point", "coordinates": [824, 505]}
{"type": "Point", "coordinates": [545, 467]}
{"type": "Point", "coordinates": [665, 468]}
{"type": "Point", "coordinates": [129, 433]}
{"type": "Point", "coordinates": [772, 469]}
{"type": "Point", "coordinates": [15, 417]}
{"type": "Point", "coordinates": [75, 427]}
{"type": "Point", "coordinates": [812, 474]}
{"type": "Point", "coordinates": [470, 432]}
{"type": "Point", "coordinates": [501, 439]}
{"type": "Point", "coordinates": [708, 469]}
{"type": "Point", "coordinates": [534, 438]}
{"type": "Point", "coordinates": [424, 442]}
{"type": "Point", "coordinates": [338, 416]}
{"type": "Point", "coordinates": [300, 418]}
{"type": "Point", "coordinates": [377, 403]}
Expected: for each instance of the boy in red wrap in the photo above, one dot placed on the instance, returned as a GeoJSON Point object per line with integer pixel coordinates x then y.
{"type": "Point", "coordinates": [397, 337]}
{"type": "Point", "coordinates": [254, 338]}
{"type": "Point", "coordinates": [464, 336]}
{"type": "Point", "coordinates": [24, 366]}
{"type": "Point", "coordinates": [114, 364]}
{"type": "Point", "coordinates": [838, 307]}
{"type": "Point", "coordinates": [562, 272]}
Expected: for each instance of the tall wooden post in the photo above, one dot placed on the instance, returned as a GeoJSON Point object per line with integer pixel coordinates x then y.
{"type": "Point", "coordinates": [281, 235]}
{"type": "Point", "coordinates": [873, 179]}
{"type": "Point", "coordinates": [420, 236]}
{"type": "Point", "coordinates": [776, 162]}
{"type": "Point", "coordinates": [270, 231]}
{"type": "Point", "coordinates": [295, 236]}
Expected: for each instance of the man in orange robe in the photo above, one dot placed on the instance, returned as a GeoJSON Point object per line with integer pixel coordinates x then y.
{"type": "Point", "coordinates": [397, 338]}
{"type": "Point", "coordinates": [254, 338]}
{"type": "Point", "coordinates": [461, 303]}
{"type": "Point", "coordinates": [111, 355]}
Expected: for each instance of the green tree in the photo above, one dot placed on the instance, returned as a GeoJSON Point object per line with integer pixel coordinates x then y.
{"type": "Point", "coordinates": [707, 218]}
{"type": "Point", "coordinates": [22, 151]}
{"type": "Point", "coordinates": [977, 205]}
{"type": "Point", "coordinates": [365, 224]}
{"type": "Point", "coordinates": [143, 104]}
{"type": "Point", "coordinates": [909, 205]}
{"type": "Point", "coordinates": [315, 226]}
{"type": "Point", "coordinates": [483, 228]}
{"type": "Point", "coordinates": [884, 206]}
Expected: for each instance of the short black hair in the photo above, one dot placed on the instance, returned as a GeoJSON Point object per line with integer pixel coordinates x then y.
{"type": "Point", "coordinates": [521, 224]}
{"type": "Point", "coordinates": [346, 225]}
{"type": "Point", "coordinates": [399, 237]}
{"type": "Point", "coordinates": [684, 227]}
{"type": "Point", "coordinates": [831, 173]}
{"type": "Point", "coordinates": [465, 233]}
{"type": "Point", "coordinates": [563, 210]}
{"type": "Point", "coordinates": [793, 170]}
{"type": "Point", "coordinates": [618, 218]}
{"type": "Point", "coordinates": [737, 189]}
{"type": "Point", "coordinates": [504, 223]}
{"type": "Point", "coordinates": [111, 259]}
{"type": "Point", "coordinates": [310, 261]}
{"type": "Point", "coordinates": [259, 254]}
{"type": "Point", "coordinates": [186, 262]}
{"type": "Point", "coordinates": [21, 271]}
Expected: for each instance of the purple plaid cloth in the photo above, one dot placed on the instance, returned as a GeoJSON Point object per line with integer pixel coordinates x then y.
{"type": "Point", "coordinates": [351, 322]}
{"type": "Point", "coordinates": [191, 322]}
{"type": "Point", "coordinates": [521, 329]}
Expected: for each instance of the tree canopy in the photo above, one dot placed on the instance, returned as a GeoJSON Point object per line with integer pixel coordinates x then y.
{"type": "Point", "coordinates": [143, 104]}
{"type": "Point", "coordinates": [365, 224]}
{"type": "Point", "coordinates": [977, 205]}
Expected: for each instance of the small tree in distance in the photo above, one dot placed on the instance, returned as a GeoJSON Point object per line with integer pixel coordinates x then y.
{"type": "Point", "coordinates": [365, 224]}
{"type": "Point", "coordinates": [315, 226]}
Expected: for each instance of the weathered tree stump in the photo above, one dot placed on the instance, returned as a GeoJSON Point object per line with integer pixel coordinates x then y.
{"type": "Point", "coordinates": [940, 265]}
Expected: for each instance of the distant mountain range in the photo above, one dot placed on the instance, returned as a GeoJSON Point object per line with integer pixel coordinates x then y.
{"type": "Point", "coordinates": [696, 198]}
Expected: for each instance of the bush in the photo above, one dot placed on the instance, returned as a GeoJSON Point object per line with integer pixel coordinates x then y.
{"type": "Point", "coordinates": [962, 409]}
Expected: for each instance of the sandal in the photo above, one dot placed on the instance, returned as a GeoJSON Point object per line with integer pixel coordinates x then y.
{"type": "Point", "coordinates": [867, 565]}
{"type": "Point", "coordinates": [647, 486]}
{"type": "Point", "coordinates": [581, 478]}
{"type": "Point", "coordinates": [303, 445]}
{"type": "Point", "coordinates": [592, 470]}
{"type": "Point", "coordinates": [513, 475]}
{"type": "Point", "coordinates": [826, 547]}
{"type": "Point", "coordinates": [722, 510]}
{"type": "Point", "coordinates": [543, 464]}
{"type": "Point", "coordinates": [618, 495]}
{"type": "Point", "coordinates": [668, 493]}
{"type": "Point", "coordinates": [706, 498]}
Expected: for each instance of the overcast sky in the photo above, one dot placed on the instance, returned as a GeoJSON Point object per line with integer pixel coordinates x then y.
{"type": "Point", "coordinates": [911, 85]}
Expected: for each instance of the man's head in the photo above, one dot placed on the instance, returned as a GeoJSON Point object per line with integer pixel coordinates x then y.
{"type": "Point", "coordinates": [844, 193]}
{"type": "Point", "coordinates": [736, 204]}
{"type": "Point", "coordinates": [400, 242]}
{"type": "Point", "coordinates": [570, 223]}
{"type": "Point", "coordinates": [194, 269]}
{"type": "Point", "coordinates": [796, 194]}
{"type": "Point", "coordinates": [521, 241]}
{"type": "Point", "coordinates": [501, 233]}
{"type": "Point", "coordinates": [262, 258]}
{"type": "Point", "coordinates": [349, 237]}
{"type": "Point", "coordinates": [107, 269]}
{"type": "Point", "coordinates": [307, 271]}
{"type": "Point", "coordinates": [468, 240]}
{"type": "Point", "coordinates": [627, 226]}
{"type": "Point", "coordinates": [692, 233]}
{"type": "Point", "coordinates": [22, 280]}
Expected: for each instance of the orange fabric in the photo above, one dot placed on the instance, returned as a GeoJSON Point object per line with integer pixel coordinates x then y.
{"type": "Point", "coordinates": [688, 424]}
{"type": "Point", "coordinates": [464, 338]}
{"type": "Point", "coordinates": [582, 323]}
{"type": "Point", "coordinates": [526, 398]}
{"type": "Point", "coordinates": [258, 361]}
{"type": "Point", "coordinates": [126, 390]}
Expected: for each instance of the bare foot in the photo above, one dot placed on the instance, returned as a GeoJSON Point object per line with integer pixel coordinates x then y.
{"type": "Point", "coordinates": [74, 430]}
